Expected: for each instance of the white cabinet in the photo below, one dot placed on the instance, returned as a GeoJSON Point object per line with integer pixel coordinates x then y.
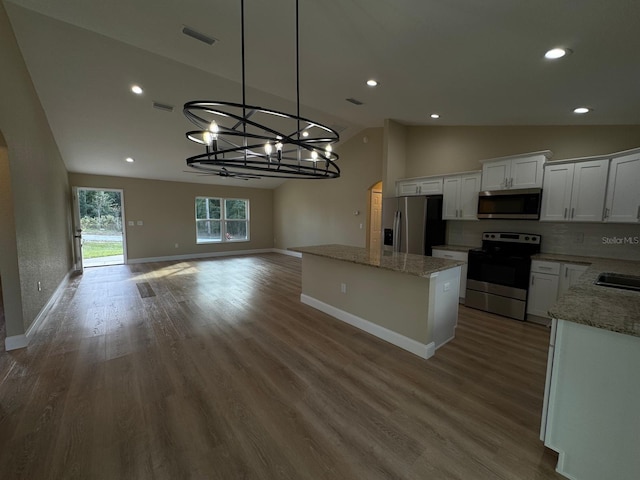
{"type": "Point", "coordinates": [548, 282]}
{"type": "Point", "coordinates": [623, 192]}
{"type": "Point", "coordinates": [460, 256]}
{"type": "Point", "coordinates": [569, 274]}
{"type": "Point", "coordinates": [419, 186]}
{"type": "Point", "coordinates": [543, 287]}
{"type": "Point", "coordinates": [460, 197]}
{"type": "Point", "coordinates": [521, 171]}
{"type": "Point", "coordinates": [574, 192]}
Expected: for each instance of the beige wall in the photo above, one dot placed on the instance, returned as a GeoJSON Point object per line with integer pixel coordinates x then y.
{"type": "Point", "coordinates": [40, 191]}
{"type": "Point", "coordinates": [435, 150]}
{"type": "Point", "coordinates": [313, 212]}
{"type": "Point", "coordinates": [167, 210]}
{"type": "Point", "coordinates": [394, 156]}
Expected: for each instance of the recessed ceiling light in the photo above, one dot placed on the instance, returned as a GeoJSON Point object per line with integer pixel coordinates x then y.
{"type": "Point", "coordinates": [435, 115]}
{"type": "Point", "coordinates": [129, 160]}
{"type": "Point", "coordinates": [372, 83]}
{"type": "Point", "coordinates": [556, 53]}
{"type": "Point", "coordinates": [137, 89]}
{"type": "Point", "coordinates": [581, 110]}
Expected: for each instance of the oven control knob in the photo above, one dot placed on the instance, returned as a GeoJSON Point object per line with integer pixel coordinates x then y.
{"type": "Point", "coordinates": [493, 236]}
{"type": "Point", "coordinates": [527, 238]}
{"type": "Point", "coordinates": [533, 239]}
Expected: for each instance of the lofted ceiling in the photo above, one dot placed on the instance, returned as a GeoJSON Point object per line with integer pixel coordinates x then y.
{"type": "Point", "coordinates": [473, 62]}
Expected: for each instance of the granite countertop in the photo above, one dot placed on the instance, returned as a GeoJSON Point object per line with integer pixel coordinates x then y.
{"type": "Point", "coordinates": [609, 308]}
{"type": "Point", "coordinates": [454, 248]}
{"type": "Point", "coordinates": [410, 264]}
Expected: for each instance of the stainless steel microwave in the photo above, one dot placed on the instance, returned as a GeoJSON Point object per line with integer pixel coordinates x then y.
{"type": "Point", "coordinates": [520, 204]}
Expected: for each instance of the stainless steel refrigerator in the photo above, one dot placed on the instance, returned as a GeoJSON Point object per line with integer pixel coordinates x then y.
{"type": "Point", "coordinates": [413, 224]}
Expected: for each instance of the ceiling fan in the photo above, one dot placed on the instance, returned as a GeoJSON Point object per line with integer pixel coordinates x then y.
{"type": "Point", "coordinates": [223, 172]}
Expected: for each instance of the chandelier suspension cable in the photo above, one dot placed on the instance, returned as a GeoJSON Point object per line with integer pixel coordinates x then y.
{"type": "Point", "coordinates": [244, 93]}
{"type": "Point", "coordinates": [298, 78]}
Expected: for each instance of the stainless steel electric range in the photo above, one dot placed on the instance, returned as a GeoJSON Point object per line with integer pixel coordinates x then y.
{"type": "Point", "coordinates": [498, 273]}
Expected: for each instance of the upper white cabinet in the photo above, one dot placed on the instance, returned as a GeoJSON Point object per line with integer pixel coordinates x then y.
{"type": "Point", "coordinates": [460, 197]}
{"type": "Point", "coordinates": [521, 171]}
{"type": "Point", "coordinates": [575, 191]}
{"type": "Point", "coordinates": [623, 192]}
{"type": "Point", "coordinates": [419, 186]}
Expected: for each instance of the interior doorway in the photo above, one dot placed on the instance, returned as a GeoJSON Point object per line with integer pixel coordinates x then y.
{"type": "Point", "coordinates": [374, 234]}
{"type": "Point", "coordinates": [99, 237]}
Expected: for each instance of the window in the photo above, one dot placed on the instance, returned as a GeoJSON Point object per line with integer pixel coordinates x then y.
{"type": "Point", "coordinates": [222, 220]}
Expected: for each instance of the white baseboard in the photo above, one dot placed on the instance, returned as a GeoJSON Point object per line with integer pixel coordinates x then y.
{"type": "Point", "coordinates": [287, 252]}
{"type": "Point", "coordinates": [20, 341]}
{"type": "Point", "coordinates": [192, 256]}
{"type": "Point", "coordinates": [15, 342]}
{"type": "Point", "coordinates": [408, 344]}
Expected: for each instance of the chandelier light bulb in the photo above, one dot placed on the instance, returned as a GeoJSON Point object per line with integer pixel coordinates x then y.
{"type": "Point", "coordinates": [268, 148]}
{"type": "Point", "coordinates": [279, 150]}
{"type": "Point", "coordinates": [213, 128]}
{"type": "Point", "coordinates": [314, 155]}
{"type": "Point", "coordinates": [327, 151]}
{"type": "Point", "coordinates": [207, 137]}
{"type": "Point", "coordinates": [305, 134]}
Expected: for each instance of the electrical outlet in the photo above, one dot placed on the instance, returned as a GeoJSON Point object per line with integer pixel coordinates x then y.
{"type": "Point", "coordinates": [343, 288]}
{"type": "Point", "coordinates": [447, 286]}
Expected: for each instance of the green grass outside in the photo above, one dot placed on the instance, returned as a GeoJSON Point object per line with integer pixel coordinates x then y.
{"type": "Point", "coordinates": [101, 249]}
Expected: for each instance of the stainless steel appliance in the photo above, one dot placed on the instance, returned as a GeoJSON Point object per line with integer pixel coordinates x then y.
{"type": "Point", "coordinates": [521, 204]}
{"type": "Point", "coordinates": [498, 273]}
{"type": "Point", "coordinates": [413, 224]}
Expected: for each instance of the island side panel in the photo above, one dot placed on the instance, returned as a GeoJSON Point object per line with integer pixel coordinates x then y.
{"type": "Point", "coordinates": [396, 301]}
{"type": "Point", "coordinates": [444, 291]}
{"type": "Point", "coordinates": [594, 415]}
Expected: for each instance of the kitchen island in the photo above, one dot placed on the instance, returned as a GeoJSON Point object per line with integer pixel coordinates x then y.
{"type": "Point", "coordinates": [408, 300]}
{"type": "Point", "coordinates": [591, 414]}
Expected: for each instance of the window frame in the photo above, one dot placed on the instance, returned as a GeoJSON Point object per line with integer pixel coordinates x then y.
{"type": "Point", "coordinates": [223, 220]}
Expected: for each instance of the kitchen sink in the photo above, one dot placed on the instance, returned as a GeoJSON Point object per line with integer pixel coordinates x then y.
{"type": "Point", "coordinates": [617, 280]}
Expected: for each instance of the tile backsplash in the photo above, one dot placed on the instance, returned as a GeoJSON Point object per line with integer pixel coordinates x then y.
{"type": "Point", "coordinates": [610, 240]}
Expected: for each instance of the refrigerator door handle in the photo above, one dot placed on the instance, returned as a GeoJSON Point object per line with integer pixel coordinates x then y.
{"type": "Point", "coordinates": [396, 231]}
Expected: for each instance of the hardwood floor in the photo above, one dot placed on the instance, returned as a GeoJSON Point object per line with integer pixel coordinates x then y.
{"type": "Point", "coordinates": [213, 369]}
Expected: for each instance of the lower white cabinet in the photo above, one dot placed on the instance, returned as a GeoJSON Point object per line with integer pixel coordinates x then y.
{"type": "Point", "coordinates": [543, 292]}
{"type": "Point", "coordinates": [460, 256]}
{"type": "Point", "coordinates": [569, 274]}
{"type": "Point", "coordinates": [549, 281]}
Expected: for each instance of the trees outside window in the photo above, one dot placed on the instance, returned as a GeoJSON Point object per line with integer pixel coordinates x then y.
{"type": "Point", "coordinates": [222, 220]}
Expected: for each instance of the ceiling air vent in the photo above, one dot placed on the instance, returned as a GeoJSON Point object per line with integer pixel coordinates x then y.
{"type": "Point", "coordinates": [190, 32]}
{"type": "Point", "coordinates": [163, 106]}
{"type": "Point", "coordinates": [354, 101]}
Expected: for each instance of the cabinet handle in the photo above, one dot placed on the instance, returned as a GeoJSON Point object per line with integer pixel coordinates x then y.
{"type": "Point", "coordinates": [606, 213]}
{"type": "Point", "coordinates": [566, 272]}
{"type": "Point", "coordinates": [565, 213]}
{"type": "Point", "coordinates": [573, 211]}
{"type": "Point", "coordinates": [511, 182]}
{"type": "Point", "coordinates": [460, 213]}
{"type": "Point", "coordinates": [533, 280]}
{"type": "Point", "coordinates": [638, 215]}
{"type": "Point", "coordinates": [544, 268]}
